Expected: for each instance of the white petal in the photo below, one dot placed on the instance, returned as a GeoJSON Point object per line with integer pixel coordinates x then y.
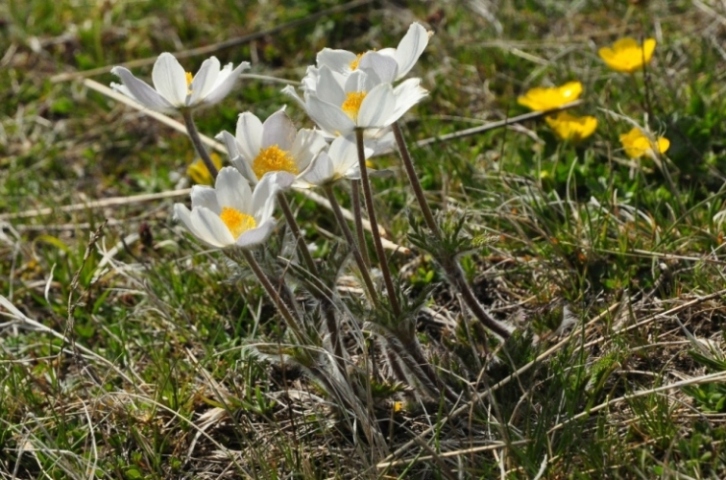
{"type": "Point", "coordinates": [210, 228]}
{"type": "Point", "coordinates": [292, 93]}
{"type": "Point", "coordinates": [258, 235]}
{"type": "Point", "coordinates": [204, 196]}
{"type": "Point", "coordinates": [249, 136]}
{"type": "Point", "coordinates": [265, 194]}
{"type": "Point", "coordinates": [170, 79]}
{"type": "Point", "coordinates": [306, 146]}
{"type": "Point", "coordinates": [328, 88]}
{"type": "Point", "coordinates": [356, 82]}
{"type": "Point", "coordinates": [233, 190]}
{"type": "Point", "coordinates": [378, 107]}
{"type": "Point", "coordinates": [320, 170]}
{"type": "Point", "coordinates": [336, 60]}
{"type": "Point", "coordinates": [407, 94]}
{"type": "Point", "coordinates": [140, 91]}
{"type": "Point", "coordinates": [344, 154]}
{"type": "Point", "coordinates": [329, 117]}
{"type": "Point", "coordinates": [230, 142]}
{"type": "Point", "coordinates": [225, 83]}
{"type": "Point", "coordinates": [183, 215]}
{"type": "Point", "coordinates": [278, 130]}
{"type": "Point", "coordinates": [410, 48]}
{"type": "Point", "coordinates": [385, 67]}
{"type": "Point", "coordinates": [204, 80]}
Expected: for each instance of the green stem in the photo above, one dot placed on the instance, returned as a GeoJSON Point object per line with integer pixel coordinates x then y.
{"type": "Point", "coordinates": [380, 252]}
{"type": "Point", "coordinates": [365, 273]}
{"type": "Point", "coordinates": [297, 233]}
{"type": "Point", "coordinates": [358, 216]}
{"type": "Point", "coordinates": [292, 322]}
{"type": "Point", "coordinates": [197, 142]}
{"type": "Point", "coordinates": [449, 263]}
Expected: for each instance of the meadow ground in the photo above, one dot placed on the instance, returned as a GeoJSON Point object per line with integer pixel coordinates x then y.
{"type": "Point", "coordinates": [129, 350]}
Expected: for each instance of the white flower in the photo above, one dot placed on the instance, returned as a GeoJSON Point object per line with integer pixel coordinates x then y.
{"type": "Point", "coordinates": [405, 55]}
{"type": "Point", "coordinates": [339, 161]}
{"type": "Point", "coordinates": [274, 146]}
{"type": "Point", "coordinates": [174, 89]}
{"type": "Point", "coordinates": [231, 213]}
{"type": "Point", "coordinates": [339, 104]}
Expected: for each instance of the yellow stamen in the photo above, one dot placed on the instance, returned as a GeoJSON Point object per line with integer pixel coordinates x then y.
{"type": "Point", "coordinates": [189, 77]}
{"type": "Point", "coordinates": [354, 64]}
{"type": "Point", "coordinates": [351, 104]}
{"type": "Point", "coordinates": [274, 159]}
{"type": "Point", "coordinates": [236, 221]}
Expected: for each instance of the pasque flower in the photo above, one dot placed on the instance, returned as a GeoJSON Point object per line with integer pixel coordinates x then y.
{"type": "Point", "coordinates": [571, 128]}
{"type": "Point", "coordinates": [339, 161]}
{"type": "Point", "coordinates": [541, 99]}
{"type": "Point", "coordinates": [231, 213]}
{"type": "Point", "coordinates": [637, 143]}
{"type": "Point", "coordinates": [175, 89]}
{"type": "Point", "coordinates": [340, 104]}
{"type": "Point", "coordinates": [273, 146]}
{"type": "Point", "coordinates": [405, 55]}
{"type": "Point", "coordinates": [626, 55]}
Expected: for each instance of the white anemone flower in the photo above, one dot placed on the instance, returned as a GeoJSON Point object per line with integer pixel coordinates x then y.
{"type": "Point", "coordinates": [175, 89]}
{"type": "Point", "coordinates": [339, 105]}
{"type": "Point", "coordinates": [338, 162]}
{"type": "Point", "coordinates": [231, 213]}
{"type": "Point", "coordinates": [405, 55]}
{"type": "Point", "coordinates": [274, 146]}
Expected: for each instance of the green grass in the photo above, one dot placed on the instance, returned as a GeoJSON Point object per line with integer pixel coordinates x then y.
{"type": "Point", "coordinates": [165, 362]}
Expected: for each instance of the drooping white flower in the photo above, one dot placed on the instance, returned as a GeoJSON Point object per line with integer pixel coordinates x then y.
{"type": "Point", "coordinates": [405, 55]}
{"type": "Point", "coordinates": [175, 89]}
{"type": "Point", "coordinates": [231, 213]}
{"type": "Point", "coordinates": [338, 162]}
{"type": "Point", "coordinates": [339, 105]}
{"type": "Point", "coordinates": [274, 146]}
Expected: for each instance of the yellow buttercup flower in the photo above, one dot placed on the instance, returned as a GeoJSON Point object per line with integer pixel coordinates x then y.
{"type": "Point", "coordinates": [199, 173]}
{"type": "Point", "coordinates": [636, 144]}
{"type": "Point", "coordinates": [626, 55]}
{"type": "Point", "coordinates": [570, 127]}
{"type": "Point", "coordinates": [541, 99]}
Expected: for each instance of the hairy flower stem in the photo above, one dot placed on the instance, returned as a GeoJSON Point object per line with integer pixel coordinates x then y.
{"type": "Point", "coordinates": [449, 264]}
{"type": "Point", "coordinates": [197, 142]}
{"type": "Point", "coordinates": [368, 196]}
{"type": "Point", "coordinates": [358, 215]}
{"type": "Point", "coordinates": [364, 271]}
{"type": "Point", "coordinates": [292, 322]}
{"type": "Point", "coordinates": [296, 233]}
{"type": "Point", "coordinates": [326, 306]}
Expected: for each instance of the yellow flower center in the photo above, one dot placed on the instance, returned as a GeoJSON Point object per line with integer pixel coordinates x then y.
{"type": "Point", "coordinates": [236, 221]}
{"type": "Point", "coordinates": [351, 104]}
{"type": "Point", "coordinates": [189, 78]}
{"type": "Point", "coordinates": [354, 64]}
{"type": "Point", "coordinates": [274, 159]}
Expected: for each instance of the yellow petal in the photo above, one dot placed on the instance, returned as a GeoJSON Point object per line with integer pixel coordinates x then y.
{"type": "Point", "coordinates": [547, 98]}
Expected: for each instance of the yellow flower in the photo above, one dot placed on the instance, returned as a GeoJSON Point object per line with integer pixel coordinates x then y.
{"type": "Point", "coordinates": [636, 144]}
{"type": "Point", "coordinates": [571, 128]}
{"type": "Point", "coordinates": [199, 173]}
{"type": "Point", "coordinates": [626, 55]}
{"type": "Point", "coordinates": [540, 99]}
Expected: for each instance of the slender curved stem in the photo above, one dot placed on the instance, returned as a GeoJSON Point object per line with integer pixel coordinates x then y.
{"type": "Point", "coordinates": [449, 264]}
{"type": "Point", "coordinates": [365, 273]}
{"type": "Point", "coordinates": [368, 197]}
{"type": "Point", "coordinates": [293, 323]}
{"type": "Point", "coordinates": [297, 233]}
{"type": "Point", "coordinates": [197, 142]}
{"type": "Point", "coordinates": [358, 216]}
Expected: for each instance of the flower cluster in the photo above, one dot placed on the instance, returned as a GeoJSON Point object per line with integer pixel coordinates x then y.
{"type": "Point", "coordinates": [625, 55]}
{"type": "Point", "coordinates": [343, 92]}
